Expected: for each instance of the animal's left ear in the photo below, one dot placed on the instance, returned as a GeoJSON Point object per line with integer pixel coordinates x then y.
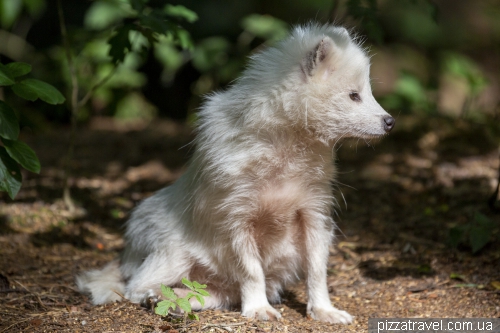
{"type": "Point", "coordinates": [318, 56]}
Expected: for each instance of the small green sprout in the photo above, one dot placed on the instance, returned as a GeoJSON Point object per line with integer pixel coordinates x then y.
{"type": "Point", "coordinates": [172, 301]}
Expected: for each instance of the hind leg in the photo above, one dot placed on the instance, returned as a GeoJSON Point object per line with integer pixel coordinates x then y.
{"type": "Point", "coordinates": [157, 268]}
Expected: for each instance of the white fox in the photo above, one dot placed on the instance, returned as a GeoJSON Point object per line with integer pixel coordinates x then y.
{"type": "Point", "coordinates": [253, 212]}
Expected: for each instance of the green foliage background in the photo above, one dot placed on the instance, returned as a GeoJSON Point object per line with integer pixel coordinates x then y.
{"type": "Point", "coordinates": [142, 59]}
{"type": "Point", "coordinates": [430, 56]}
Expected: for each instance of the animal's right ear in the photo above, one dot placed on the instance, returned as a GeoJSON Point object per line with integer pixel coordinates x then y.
{"type": "Point", "coordinates": [318, 57]}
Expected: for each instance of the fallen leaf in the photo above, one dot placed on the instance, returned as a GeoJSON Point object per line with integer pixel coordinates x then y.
{"type": "Point", "coordinates": [349, 245]}
{"type": "Point", "coordinates": [495, 284]}
{"type": "Point", "coordinates": [165, 327]}
{"type": "Point", "coordinates": [457, 276]}
{"type": "Point", "coordinates": [35, 322]}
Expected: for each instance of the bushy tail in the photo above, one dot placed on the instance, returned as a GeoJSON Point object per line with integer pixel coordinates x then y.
{"type": "Point", "coordinates": [103, 285]}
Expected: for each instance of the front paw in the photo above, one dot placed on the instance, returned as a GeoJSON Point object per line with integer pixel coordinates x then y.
{"type": "Point", "coordinates": [266, 312]}
{"type": "Point", "coordinates": [330, 315]}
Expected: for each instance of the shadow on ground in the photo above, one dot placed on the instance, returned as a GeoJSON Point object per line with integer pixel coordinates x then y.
{"type": "Point", "coordinates": [403, 194]}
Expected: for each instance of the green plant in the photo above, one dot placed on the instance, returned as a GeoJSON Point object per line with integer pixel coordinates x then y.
{"type": "Point", "coordinates": [267, 27]}
{"type": "Point", "coordinates": [476, 234]}
{"type": "Point", "coordinates": [409, 94]}
{"type": "Point", "coordinates": [13, 151]}
{"type": "Point", "coordinates": [460, 67]}
{"type": "Point", "coordinates": [126, 29]}
{"type": "Point", "coordinates": [172, 301]}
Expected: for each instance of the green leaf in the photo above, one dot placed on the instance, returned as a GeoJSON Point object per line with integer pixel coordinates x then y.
{"type": "Point", "coordinates": [425, 269]}
{"type": "Point", "coordinates": [155, 23]}
{"type": "Point", "coordinates": [484, 221]}
{"type": "Point", "coordinates": [163, 307]}
{"type": "Point", "coordinates": [6, 78]}
{"type": "Point", "coordinates": [203, 292]}
{"type": "Point", "coordinates": [120, 43]}
{"type": "Point", "coordinates": [210, 53]}
{"type": "Point", "coordinates": [184, 39]}
{"type": "Point", "coordinates": [168, 292]}
{"type": "Point", "coordinates": [197, 285]}
{"type": "Point", "coordinates": [9, 126]}
{"type": "Point", "coordinates": [460, 65]}
{"type": "Point", "coordinates": [32, 89]}
{"type": "Point", "coordinates": [478, 238]}
{"type": "Point", "coordinates": [22, 154]}
{"type": "Point", "coordinates": [103, 14]}
{"type": "Point", "coordinates": [200, 299]}
{"type": "Point", "coordinates": [182, 12]}
{"type": "Point", "coordinates": [193, 316]}
{"type": "Point", "coordinates": [410, 87]}
{"type": "Point", "coordinates": [138, 5]}
{"type": "Point", "coordinates": [18, 68]}
{"type": "Point", "coordinates": [184, 304]}
{"type": "Point", "coordinates": [151, 37]}
{"type": "Point", "coordinates": [265, 26]}
{"type": "Point", "coordinates": [9, 12]}
{"type": "Point", "coordinates": [458, 276]}
{"type": "Point", "coordinates": [10, 175]}
{"type": "Point", "coordinates": [187, 283]}
{"type": "Point", "coordinates": [456, 235]}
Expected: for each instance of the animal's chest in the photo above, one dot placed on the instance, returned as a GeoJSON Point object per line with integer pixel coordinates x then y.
{"type": "Point", "coordinates": [281, 218]}
{"type": "Point", "coordinates": [296, 182]}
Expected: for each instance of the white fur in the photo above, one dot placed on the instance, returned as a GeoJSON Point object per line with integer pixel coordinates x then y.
{"type": "Point", "coordinates": [104, 285]}
{"type": "Point", "coordinates": [253, 212]}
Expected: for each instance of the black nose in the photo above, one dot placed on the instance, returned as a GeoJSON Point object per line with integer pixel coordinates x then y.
{"type": "Point", "coordinates": [389, 123]}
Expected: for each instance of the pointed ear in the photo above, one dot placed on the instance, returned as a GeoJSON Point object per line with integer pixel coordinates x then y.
{"type": "Point", "coordinates": [318, 56]}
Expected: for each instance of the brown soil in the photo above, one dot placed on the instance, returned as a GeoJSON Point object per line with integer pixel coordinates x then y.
{"type": "Point", "coordinates": [391, 258]}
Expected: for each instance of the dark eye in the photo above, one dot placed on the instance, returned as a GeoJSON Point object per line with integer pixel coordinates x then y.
{"type": "Point", "coordinates": [355, 97]}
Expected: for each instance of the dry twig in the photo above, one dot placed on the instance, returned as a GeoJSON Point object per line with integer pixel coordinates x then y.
{"type": "Point", "coordinates": [16, 323]}
{"type": "Point", "coordinates": [38, 299]}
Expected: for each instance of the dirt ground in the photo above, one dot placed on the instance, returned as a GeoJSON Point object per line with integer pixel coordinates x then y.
{"type": "Point", "coordinates": [391, 259]}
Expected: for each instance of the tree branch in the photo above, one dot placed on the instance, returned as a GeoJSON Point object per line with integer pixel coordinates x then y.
{"type": "Point", "coordinates": [74, 111]}
{"type": "Point", "coordinates": [75, 106]}
{"type": "Point", "coordinates": [99, 84]}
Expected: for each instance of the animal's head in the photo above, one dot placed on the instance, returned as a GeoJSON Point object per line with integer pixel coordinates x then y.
{"type": "Point", "coordinates": [330, 92]}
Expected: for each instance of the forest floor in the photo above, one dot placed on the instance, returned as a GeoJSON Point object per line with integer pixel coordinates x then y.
{"type": "Point", "coordinates": [391, 259]}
